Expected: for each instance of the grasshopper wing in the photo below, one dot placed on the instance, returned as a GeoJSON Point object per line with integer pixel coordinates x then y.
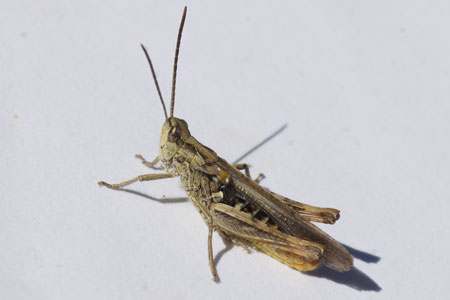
{"type": "Point", "coordinates": [310, 213]}
{"type": "Point", "coordinates": [242, 229]}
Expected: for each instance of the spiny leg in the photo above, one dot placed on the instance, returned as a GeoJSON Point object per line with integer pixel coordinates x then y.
{"type": "Point", "coordinates": [246, 168]}
{"type": "Point", "coordinates": [145, 177]}
{"type": "Point", "coordinates": [150, 164]}
{"type": "Point", "coordinates": [300, 254]}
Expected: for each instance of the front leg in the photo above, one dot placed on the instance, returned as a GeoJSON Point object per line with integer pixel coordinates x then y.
{"type": "Point", "coordinates": [145, 177]}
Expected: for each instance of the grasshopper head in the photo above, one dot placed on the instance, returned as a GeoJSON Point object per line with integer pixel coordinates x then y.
{"type": "Point", "coordinates": [174, 134]}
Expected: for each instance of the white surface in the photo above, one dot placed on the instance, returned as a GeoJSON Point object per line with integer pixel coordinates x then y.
{"type": "Point", "coordinates": [364, 91]}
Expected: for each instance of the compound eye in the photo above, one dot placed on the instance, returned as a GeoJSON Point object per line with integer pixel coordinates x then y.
{"type": "Point", "coordinates": [174, 134]}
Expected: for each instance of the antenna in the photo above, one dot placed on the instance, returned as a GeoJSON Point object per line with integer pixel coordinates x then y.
{"type": "Point", "coordinates": [156, 80]}
{"type": "Point", "coordinates": [177, 50]}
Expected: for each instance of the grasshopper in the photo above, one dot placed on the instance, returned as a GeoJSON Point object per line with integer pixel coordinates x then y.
{"type": "Point", "coordinates": [235, 205]}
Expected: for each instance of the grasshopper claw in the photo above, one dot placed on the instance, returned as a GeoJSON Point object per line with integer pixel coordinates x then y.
{"type": "Point", "coordinates": [102, 183]}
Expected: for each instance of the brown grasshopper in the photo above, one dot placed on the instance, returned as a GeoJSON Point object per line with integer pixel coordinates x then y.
{"type": "Point", "coordinates": [236, 206]}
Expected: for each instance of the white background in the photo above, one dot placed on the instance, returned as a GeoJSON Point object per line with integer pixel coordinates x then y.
{"type": "Point", "coordinates": [361, 91]}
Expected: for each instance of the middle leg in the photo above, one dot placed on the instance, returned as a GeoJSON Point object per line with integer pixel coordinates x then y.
{"type": "Point", "coordinates": [246, 168]}
{"type": "Point", "coordinates": [210, 253]}
{"type": "Point", "coordinates": [150, 164]}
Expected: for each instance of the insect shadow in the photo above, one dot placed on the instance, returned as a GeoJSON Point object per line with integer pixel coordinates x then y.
{"type": "Point", "coordinates": [354, 278]}
{"type": "Point", "coordinates": [160, 200]}
{"type": "Point", "coordinates": [267, 139]}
